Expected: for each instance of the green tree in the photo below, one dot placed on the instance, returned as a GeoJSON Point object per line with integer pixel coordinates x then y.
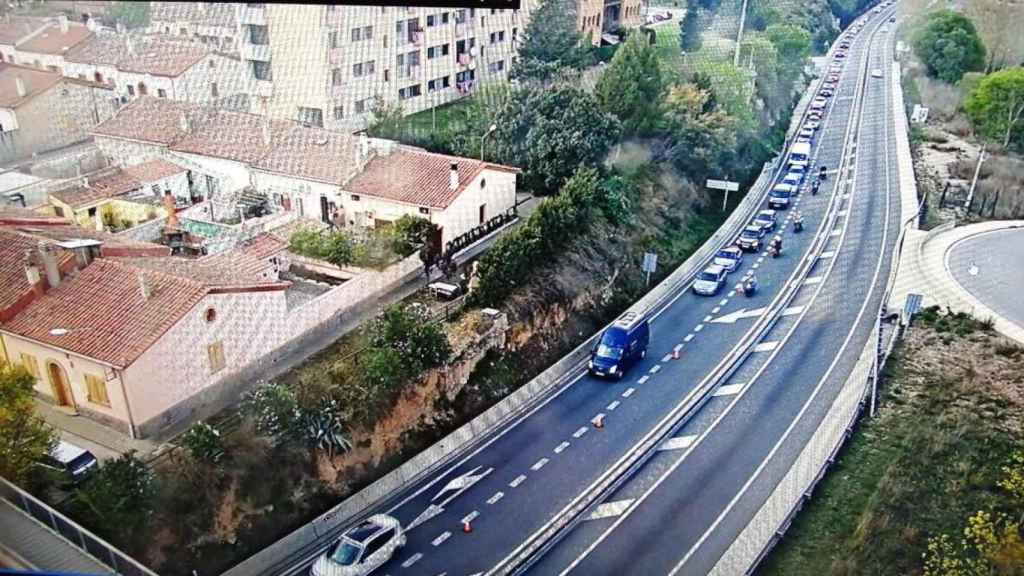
{"type": "Point", "coordinates": [631, 88]}
{"type": "Point", "coordinates": [551, 133]}
{"type": "Point", "coordinates": [273, 408]}
{"type": "Point", "coordinates": [132, 15]}
{"type": "Point", "coordinates": [204, 443]}
{"type": "Point", "coordinates": [793, 45]}
{"type": "Point", "coordinates": [24, 437]}
{"type": "Point", "coordinates": [119, 500]}
{"type": "Point", "coordinates": [338, 249]}
{"type": "Point", "coordinates": [690, 27]}
{"type": "Point", "coordinates": [702, 138]}
{"type": "Point", "coordinates": [421, 343]}
{"type": "Point", "coordinates": [322, 429]}
{"type": "Point", "coordinates": [386, 119]}
{"type": "Point", "coordinates": [949, 46]}
{"type": "Point", "coordinates": [550, 42]}
{"type": "Point", "coordinates": [996, 106]}
{"type": "Point", "coordinates": [733, 91]}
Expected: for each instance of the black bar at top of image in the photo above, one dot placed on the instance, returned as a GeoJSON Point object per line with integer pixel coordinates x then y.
{"type": "Point", "coordinates": [482, 4]}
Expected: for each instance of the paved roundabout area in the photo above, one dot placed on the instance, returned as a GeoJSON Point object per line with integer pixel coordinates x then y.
{"type": "Point", "coordinates": [990, 267]}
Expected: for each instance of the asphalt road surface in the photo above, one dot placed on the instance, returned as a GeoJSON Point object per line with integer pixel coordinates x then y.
{"type": "Point", "coordinates": [991, 267]}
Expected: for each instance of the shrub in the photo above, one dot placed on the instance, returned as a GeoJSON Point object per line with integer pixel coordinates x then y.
{"type": "Point", "coordinates": [204, 443]}
{"type": "Point", "coordinates": [410, 232]}
{"type": "Point", "coordinates": [273, 408]}
{"type": "Point", "coordinates": [119, 500]}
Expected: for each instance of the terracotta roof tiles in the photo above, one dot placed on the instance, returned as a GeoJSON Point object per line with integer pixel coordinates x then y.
{"type": "Point", "coordinates": [35, 81]}
{"type": "Point", "coordinates": [157, 55]}
{"type": "Point", "coordinates": [18, 27]}
{"type": "Point", "coordinates": [54, 41]}
{"type": "Point", "coordinates": [414, 177]}
{"type": "Point", "coordinates": [203, 14]}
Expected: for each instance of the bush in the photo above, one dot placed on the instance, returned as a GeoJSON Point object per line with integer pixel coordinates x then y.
{"type": "Point", "coordinates": [273, 408]}
{"type": "Point", "coordinates": [410, 232]}
{"type": "Point", "coordinates": [334, 247]}
{"type": "Point", "coordinates": [204, 443]}
{"type": "Point", "coordinates": [949, 46]}
{"type": "Point", "coordinates": [119, 500]}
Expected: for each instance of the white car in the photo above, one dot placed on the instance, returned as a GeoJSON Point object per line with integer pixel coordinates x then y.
{"type": "Point", "coordinates": [729, 258]}
{"type": "Point", "coordinates": [710, 281]}
{"type": "Point", "coordinates": [818, 103]}
{"type": "Point", "coordinates": [793, 178]}
{"type": "Point", "coordinates": [765, 219]}
{"type": "Point", "coordinates": [362, 549]}
{"type": "Point", "coordinates": [876, 73]}
{"type": "Point", "coordinates": [812, 125]}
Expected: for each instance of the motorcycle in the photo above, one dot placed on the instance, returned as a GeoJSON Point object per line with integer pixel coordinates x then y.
{"type": "Point", "coordinates": [824, 173]}
{"type": "Point", "coordinates": [815, 186]}
{"type": "Point", "coordinates": [749, 286]}
{"type": "Point", "coordinates": [798, 224]}
{"type": "Point", "coordinates": [775, 248]}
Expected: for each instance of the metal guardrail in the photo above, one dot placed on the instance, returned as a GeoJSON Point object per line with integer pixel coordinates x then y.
{"type": "Point", "coordinates": [74, 534]}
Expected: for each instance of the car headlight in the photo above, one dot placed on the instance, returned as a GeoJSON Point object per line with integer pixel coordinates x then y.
{"type": "Point", "coordinates": [613, 369]}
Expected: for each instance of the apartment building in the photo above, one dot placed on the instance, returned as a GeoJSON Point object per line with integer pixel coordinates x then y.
{"type": "Point", "coordinates": [324, 65]}
{"type": "Point", "coordinates": [598, 18]}
{"type": "Point", "coordinates": [213, 24]}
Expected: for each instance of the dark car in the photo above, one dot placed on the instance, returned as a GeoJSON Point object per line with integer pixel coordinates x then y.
{"type": "Point", "coordinates": [74, 464]}
{"type": "Point", "coordinates": [621, 346]}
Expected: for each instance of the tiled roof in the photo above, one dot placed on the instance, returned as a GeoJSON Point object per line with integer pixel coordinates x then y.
{"type": "Point", "coordinates": [311, 153]}
{"type": "Point", "coordinates": [10, 215]}
{"type": "Point", "coordinates": [414, 177]}
{"type": "Point", "coordinates": [147, 118]}
{"type": "Point", "coordinates": [204, 13]}
{"type": "Point", "coordinates": [104, 311]}
{"type": "Point", "coordinates": [153, 170]}
{"type": "Point", "coordinates": [157, 55]}
{"type": "Point", "coordinates": [53, 41]}
{"type": "Point", "coordinates": [36, 82]}
{"type": "Point", "coordinates": [19, 27]}
{"type": "Point", "coordinates": [239, 271]}
{"type": "Point", "coordinates": [13, 282]}
{"type": "Point", "coordinates": [284, 233]}
{"type": "Point", "coordinates": [230, 135]}
{"type": "Point", "coordinates": [262, 246]}
{"type": "Point", "coordinates": [114, 183]}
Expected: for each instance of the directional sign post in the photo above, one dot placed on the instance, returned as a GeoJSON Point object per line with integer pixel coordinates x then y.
{"type": "Point", "coordinates": [723, 185]}
{"type": "Point", "coordinates": [650, 265]}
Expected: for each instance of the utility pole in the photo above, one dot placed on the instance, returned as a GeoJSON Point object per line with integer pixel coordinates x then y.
{"type": "Point", "coordinates": [739, 35]}
{"type": "Point", "coordinates": [974, 181]}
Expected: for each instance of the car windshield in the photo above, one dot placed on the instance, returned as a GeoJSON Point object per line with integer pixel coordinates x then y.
{"type": "Point", "coordinates": [81, 461]}
{"type": "Point", "coordinates": [727, 255]}
{"type": "Point", "coordinates": [708, 276]}
{"type": "Point", "coordinates": [606, 351]}
{"type": "Point", "coordinates": [346, 553]}
{"type": "Point", "coordinates": [750, 234]}
{"type": "Point", "coordinates": [763, 218]}
{"type": "Point", "coordinates": [779, 194]}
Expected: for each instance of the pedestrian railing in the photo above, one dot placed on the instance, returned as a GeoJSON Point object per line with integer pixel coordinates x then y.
{"type": "Point", "coordinates": [72, 533]}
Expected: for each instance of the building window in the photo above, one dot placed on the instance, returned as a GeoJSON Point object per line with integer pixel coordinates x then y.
{"type": "Point", "coordinates": [261, 70]}
{"type": "Point", "coordinates": [410, 92]}
{"type": "Point", "coordinates": [362, 33]}
{"type": "Point", "coordinates": [501, 36]}
{"type": "Point", "coordinates": [495, 67]}
{"type": "Point", "coordinates": [163, 93]}
{"type": "Point", "coordinates": [31, 364]}
{"type": "Point", "coordinates": [259, 35]}
{"type": "Point", "coordinates": [98, 77]}
{"type": "Point", "coordinates": [363, 68]}
{"type": "Point", "coordinates": [336, 77]}
{"type": "Point", "coordinates": [444, 18]}
{"type": "Point", "coordinates": [363, 105]}
{"type": "Point", "coordinates": [183, 31]}
{"type": "Point", "coordinates": [214, 92]}
{"type": "Point", "coordinates": [313, 116]}
{"type": "Point", "coordinates": [431, 20]}
{"type": "Point", "coordinates": [212, 64]}
{"type": "Point", "coordinates": [332, 38]}
{"type": "Point", "coordinates": [424, 210]}
{"type": "Point", "coordinates": [483, 183]}
{"type": "Point", "coordinates": [436, 51]}
{"type": "Point", "coordinates": [96, 390]}
{"type": "Point", "coordinates": [339, 112]}
{"type": "Point", "coordinates": [131, 90]}
{"type": "Point", "coordinates": [210, 315]}
{"type": "Point", "coordinates": [439, 84]}
{"type": "Point", "coordinates": [514, 31]}
{"type": "Point", "coordinates": [215, 352]}
{"type": "Point", "coordinates": [355, 197]}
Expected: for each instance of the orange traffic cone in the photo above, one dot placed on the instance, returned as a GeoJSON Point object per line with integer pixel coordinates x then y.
{"type": "Point", "coordinates": [598, 421]}
{"type": "Point", "coordinates": [466, 526]}
{"type": "Point", "coordinates": [675, 354]}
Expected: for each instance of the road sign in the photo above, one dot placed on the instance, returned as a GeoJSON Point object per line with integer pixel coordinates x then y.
{"type": "Point", "coordinates": [723, 185]}
{"type": "Point", "coordinates": [650, 264]}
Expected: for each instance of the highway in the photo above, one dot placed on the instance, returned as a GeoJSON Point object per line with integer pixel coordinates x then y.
{"type": "Point", "coordinates": [680, 509]}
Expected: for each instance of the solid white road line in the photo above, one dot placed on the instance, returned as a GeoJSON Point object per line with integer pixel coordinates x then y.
{"type": "Point", "coordinates": [440, 539]}
{"type": "Point", "coordinates": [494, 499]}
{"type": "Point", "coordinates": [610, 509]}
{"type": "Point", "coordinates": [412, 560]}
{"type": "Point", "coordinates": [814, 280]}
{"type": "Point", "coordinates": [561, 447]}
{"type": "Point", "coordinates": [678, 442]}
{"type": "Point", "coordinates": [766, 346]}
{"type": "Point", "coordinates": [519, 480]}
{"type": "Point", "coordinates": [539, 464]}
{"type": "Point", "coordinates": [579, 432]}
{"type": "Point", "coordinates": [827, 254]}
{"type": "Point", "coordinates": [729, 389]}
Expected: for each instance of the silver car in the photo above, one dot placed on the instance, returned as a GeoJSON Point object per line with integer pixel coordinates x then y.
{"type": "Point", "coordinates": [362, 549]}
{"type": "Point", "coordinates": [729, 258]}
{"type": "Point", "coordinates": [710, 281]}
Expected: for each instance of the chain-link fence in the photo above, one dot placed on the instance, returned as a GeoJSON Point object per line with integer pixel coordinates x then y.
{"type": "Point", "coordinates": [74, 534]}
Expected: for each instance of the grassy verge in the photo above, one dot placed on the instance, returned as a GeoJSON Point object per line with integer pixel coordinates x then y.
{"type": "Point", "coordinates": [440, 119]}
{"type": "Point", "coordinates": [949, 418]}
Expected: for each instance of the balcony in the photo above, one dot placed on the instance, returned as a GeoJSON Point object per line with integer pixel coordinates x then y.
{"type": "Point", "coordinates": [335, 16]}
{"type": "Point", "coordinates": [336, 91]}
{"type": "Point", "coordinates": [461, 29]}
{"type": "Point", "coordinates": [263, 88]}
{"type": "Point", "coordinates": [407, 71]}
{"type": "Point", "coordinates": [259, 52]}
{"type": "Point", "coordinates": [464, 59]}
{"type": "Point", "coordinates": [335, 56]}
{"type": "Point", "coordinates": [250, 15]}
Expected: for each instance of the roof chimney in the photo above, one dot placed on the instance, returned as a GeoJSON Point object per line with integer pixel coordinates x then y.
{"type": "Point", "coordinates": [49, 259]}
{"type": "Point", "coordinates": [31, 270]}
{"type": "Point", "coordinates": [20, 84]}
{"type": "Point", "coordinates": [63, 19]}
{"type": "Point", "coordinates": [453, 180]}
{"type": "Point", "coordinates": [172, 216]}
{"type": "Point", "coordinates": [144, 288]}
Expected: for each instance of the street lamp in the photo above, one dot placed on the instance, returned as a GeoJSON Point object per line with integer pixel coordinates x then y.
{"type": "Point", "coordinates": [484, 138]}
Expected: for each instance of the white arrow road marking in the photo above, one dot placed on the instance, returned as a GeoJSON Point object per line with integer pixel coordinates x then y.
{"type": "Point", "coordinates": [766, 346]}
{"type": "Point", "coordinates": [440, 539]}
{"type": "Point", "coordinates": [412, 560]}
{"type": "Point", "coordinates": [814, 280]}
{"type": "Point", "coordinates": [827, 254]}
{"type": "Point", "coordinates": [740, 314]}
{"type": "Point", "coordinates": [678, 443]}
{"type": "Point", "coordinates": [610, 509]}
{"type": "Point", "coordinates": [728, 390]}
{"type": "Point", "coordinates": [430, 512]}
{"type": "Point", "coordinates": [462, 483]}
{"type": "Point", "coordinates": [793, 310]}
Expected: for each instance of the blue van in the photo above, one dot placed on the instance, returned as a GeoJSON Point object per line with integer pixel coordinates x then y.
{"type": "Point", "coordinates": [623, 344]}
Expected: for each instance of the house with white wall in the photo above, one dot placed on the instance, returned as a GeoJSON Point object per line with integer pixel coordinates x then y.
{"type": "Point", "coordinates": [15, 30]}
{"type": "Point", "coordinates": [157, 65]}
{"type": "Point", "coordinates": [46, 48]}
{"type": "Point", "coordinates": [212, 23]}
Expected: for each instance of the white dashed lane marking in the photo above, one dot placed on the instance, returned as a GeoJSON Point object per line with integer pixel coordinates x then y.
{"type": "Point", "coordinates": [707, 319]}
{"type": "Point", "coordinates": [827, 254]}
{"type": "Point", "coordinates": [666, 358]}
{"type": "Point", "coordinates": [539, 464]}
{"type": "Point", "coordinates": [723, 301]}
{"type": "Point", "coordinates": [678, 443]}
{"type": "Point", "coordinates": [756, 266]}
{"type": "Point", "coordinates": [440, 539]}
{"type": "Point", "coordinates": [836, 232]}
{"type": "Point", "coordinates": [655, 369]}
{"type": "Point", "coordinates": [728, 390]}
{"type": "Point", "coordinates": [519, 480]}
{"type": "Point", "coordinates": [471, 516]}
{"type": "Point", "coordinates": [792, 310]}
{"type": "Point", "coordinates": [688, 338]}
{"type": "Point", "coordinates": [628, 392]}
{"type": "Point", "coordinates": [580, 432]}
{"type": "Point", "coordinates": [732, 293]}
{"type": "Point", "coordinates": [611, 407]}
{"type": "Point", "coordinates": [560, 448]}
{"type": "Point", "coordinates": [643, 379]}
{"type": "Point", "coordinates": [715, 310]}
{"type": "Point", "coordinates": [698, 328]}
{"type": "Point", "coordinates": [412, 560]}
{"type": "Point", "coordinates": [610, 509]}
{"type": "Point", "coordinates": [766, 346]}
{"type": "Point", "coordinates": [494, 499]}
{"type": "Point", "coordinates": [677, 348]}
